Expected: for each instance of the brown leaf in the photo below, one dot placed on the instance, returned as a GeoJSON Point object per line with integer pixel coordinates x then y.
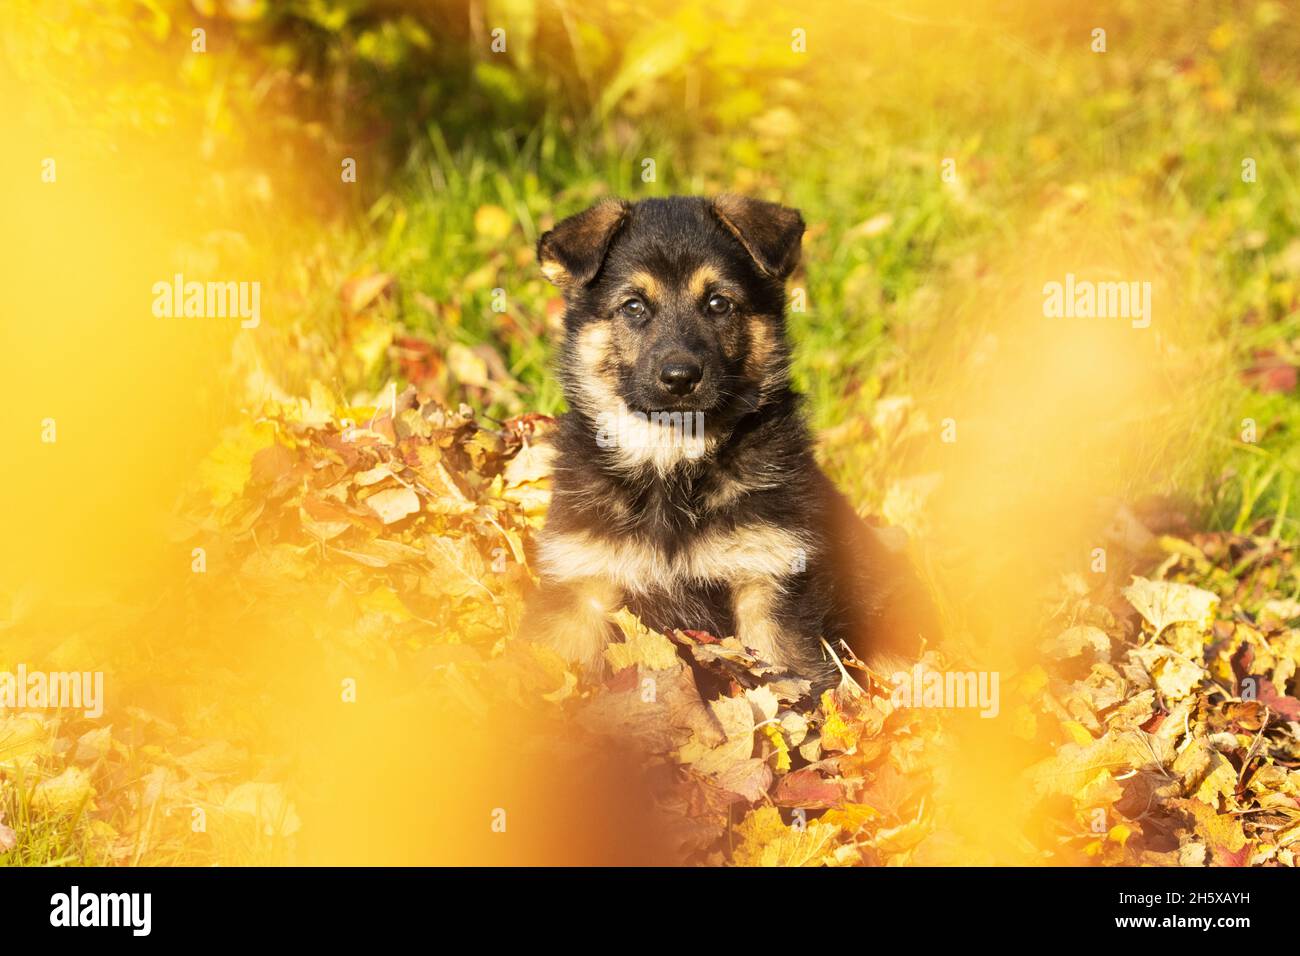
{"type": "Point", "coordinates": [807, 788]}
{"type": "Point", "coordinates": [362, 291]}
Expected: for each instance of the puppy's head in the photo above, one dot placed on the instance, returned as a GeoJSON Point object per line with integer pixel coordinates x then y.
{"type": "Point", "coordinates": [674, 304]}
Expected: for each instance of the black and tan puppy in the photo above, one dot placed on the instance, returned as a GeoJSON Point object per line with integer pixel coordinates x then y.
{"type": "Point", "coordinates": [684, 484]}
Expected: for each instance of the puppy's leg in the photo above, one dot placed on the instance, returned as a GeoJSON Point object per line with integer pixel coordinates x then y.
{"type": "Point", "coordinates": [752, 604]}
{"type": "Point", "coordinates": [768, 621]}
{"type": "Point", "coordinates": [572, 619]}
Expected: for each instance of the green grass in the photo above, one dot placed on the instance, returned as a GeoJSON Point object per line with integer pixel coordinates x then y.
{"type": "Point", "coordinates": [1139, 129]}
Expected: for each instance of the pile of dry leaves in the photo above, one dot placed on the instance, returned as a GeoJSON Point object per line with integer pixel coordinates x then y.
{"type": "Point", "coordinates": [1158, 723]}
{"type": "Point", "coordinates": [1182, 741]}
{"type": "Point", "coordinates": [1160, 712]}
{"type": "Point", "coordinates": [419, 508]}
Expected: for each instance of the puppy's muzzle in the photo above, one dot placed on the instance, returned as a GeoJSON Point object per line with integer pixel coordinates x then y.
{"type": "Point", "coordinates": [680, 374]}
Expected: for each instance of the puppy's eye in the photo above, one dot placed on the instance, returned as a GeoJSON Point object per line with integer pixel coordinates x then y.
{"type": "Point", "coordinates": [633, 308]}
{"type": "Point", "coordinates": [718, 305]}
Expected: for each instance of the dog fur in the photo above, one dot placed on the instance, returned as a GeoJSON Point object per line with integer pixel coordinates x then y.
{"type": "Point", "coordinates": [685, 485]}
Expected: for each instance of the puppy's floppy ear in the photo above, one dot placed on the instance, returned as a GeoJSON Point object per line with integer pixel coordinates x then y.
{"type": "Point", "coordinates": [769, 232]}
{"type": "Point", "coordinates": [572, 253]}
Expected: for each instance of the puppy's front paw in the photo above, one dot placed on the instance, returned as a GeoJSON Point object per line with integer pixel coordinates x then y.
{"type": "Point", "coordinates": [573, 621]}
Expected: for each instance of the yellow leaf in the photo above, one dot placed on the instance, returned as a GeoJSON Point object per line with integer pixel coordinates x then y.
{"type": "Point", "coordinates": [94, 744]}
{"type": "Point", "coordinates": [1078, 733]}
{"type": "Point", "coordinates": [384, 600]}
{"type": "Point", "coordinates": [851, 816]}
{"type": "Point", "coordinates": [492, 222]}
{"type": "Point", "coordinates": [781, 756]}
{"type": "Point", "coordinates": [1222, 832]}
{"type": "Point", "coordinates": [1162, 603]}
{"type": "Point", "coordinates": [736, 718]}
{"type": "Point", "coordinates": [1073, 642]}
{"type": "Point", "coordinates": [468, 367]}
{"type": "Point", "coordinates": [533, 499]}
{"type": "Point", "coordinates": [1289, 835]}
{"type": "Point", "coordinates": [836, 733]}
{"type": "Point", "coordinates": [267, 805]}
{"type": "Point", "coordinates": [226, 470]}
{"type": "Point", "coordinates": [445, 496]}
{"type": "Point", "coordinates": [65, 793]}
{"type": "Point", "coordinates": [532, 463]}
{"type": "Point", "coordinates": [1032, 681]}
{"type": "Point", "coordinates": [1120, 833]}
{"type": "Point", "coordinates": [393, 504]}
{"type": "Point", "coordinates": [459, 569]}
{"type": "Point", "coordinates": [641, 646]}
{"type": "Point", "coordinates": [901, 838]}
{"type": "Point", "coordinates": [1175, 676]}
{"type": "Point", "coordinates": [765, 841]}
{"type": "Point", "coordinates": [1100, 791]}
{"type": "Point", "coordinates": [22, 739]}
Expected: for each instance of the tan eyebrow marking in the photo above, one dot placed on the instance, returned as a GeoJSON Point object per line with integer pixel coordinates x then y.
{"type": "Point", "coordinates": [647, 283]}
{"type": "Point", "coordinates": [700, 281]}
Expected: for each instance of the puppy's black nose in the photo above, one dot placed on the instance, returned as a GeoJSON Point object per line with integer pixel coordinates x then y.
{"type": "Point", "coordinates": [680, 376]}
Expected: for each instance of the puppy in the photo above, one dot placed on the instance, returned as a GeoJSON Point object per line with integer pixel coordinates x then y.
{"type": "Point", "coordinates": [685, 485]}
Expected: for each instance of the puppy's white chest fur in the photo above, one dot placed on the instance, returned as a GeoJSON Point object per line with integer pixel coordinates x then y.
{"type": "Point", "coordinates": [745, 554]}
